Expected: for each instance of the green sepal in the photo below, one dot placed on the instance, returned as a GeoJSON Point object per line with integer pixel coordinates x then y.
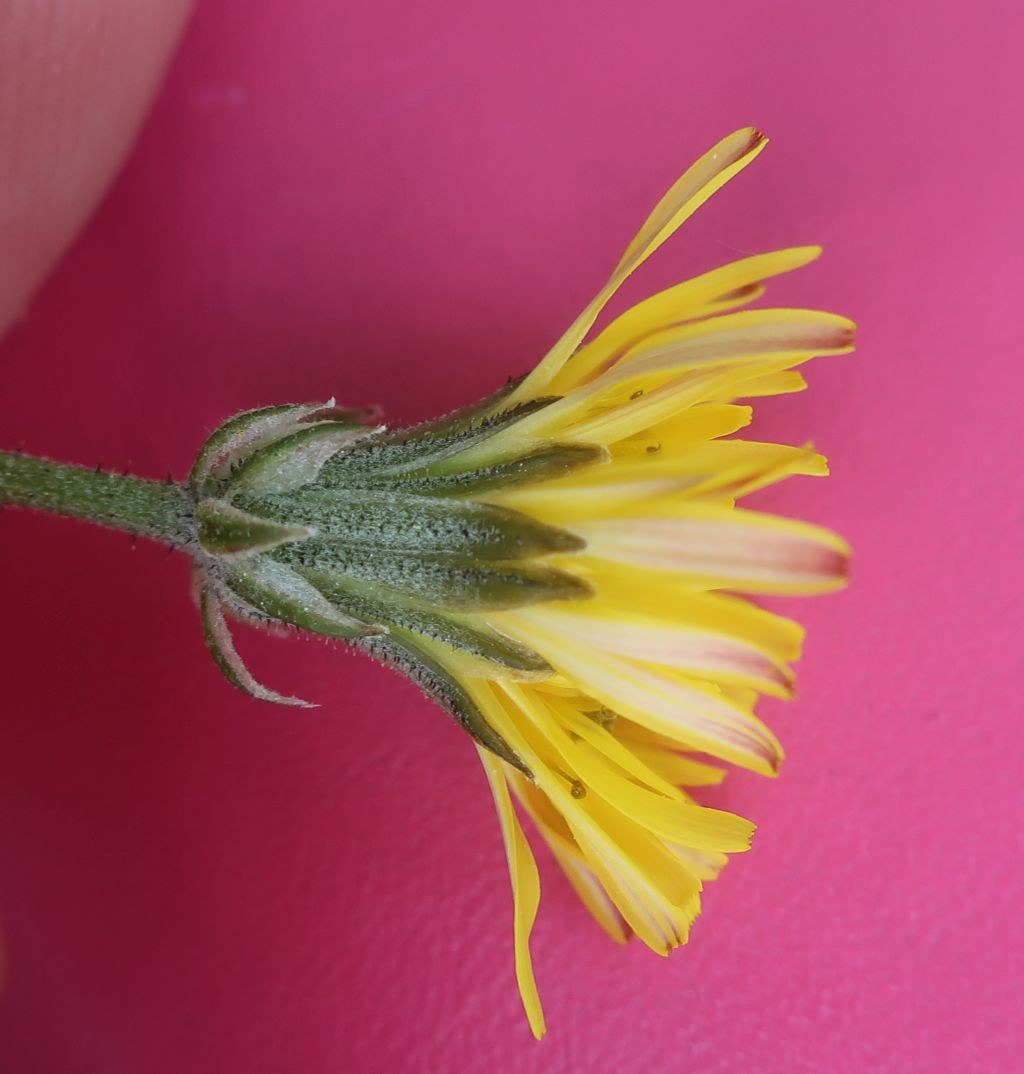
{"type": "Point", "coordinates": [541, 464]}
{"type": "Point", "coordinates": [443, 581]}
{"type": "Point", "coordinates": [368, 601]}
{"type": "Point", "coordinates": [245, 433]}
{"type": "Point", "coordinates": [224, 530]}
{"type": "Point", "coordinates": [241, 434]}
{"type": "Point", "coordinates": [225, 655]}
{"type": "Point", "coordinates": [401, 652]}
{"type": "Point", "coordinates": [293, 460]}
{"type": "Point", "coordinates": [398, 522]}
{"type": "Point", "coordinates": [470, 414]}
{"type": "Point", "coordinates": [415, 449]}
{"type": "Point", "coordinates": [274, 590]}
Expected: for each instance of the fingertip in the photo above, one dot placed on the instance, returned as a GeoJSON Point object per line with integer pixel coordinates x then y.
{"type": "Point", "coordinates": [64, 137]}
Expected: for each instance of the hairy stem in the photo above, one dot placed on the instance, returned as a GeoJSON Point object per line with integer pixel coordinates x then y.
{"type": "Point", "coordinates": [161, 510]}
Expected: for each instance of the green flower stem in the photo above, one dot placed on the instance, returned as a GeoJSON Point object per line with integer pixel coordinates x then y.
{"type": "Point", "coordinates": [156, 509]}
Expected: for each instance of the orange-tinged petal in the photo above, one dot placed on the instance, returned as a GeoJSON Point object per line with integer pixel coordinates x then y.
{"type": "Point", "coordinates": [699, 717]}
{"type": "Point", "coordinates": [657, 639]}
{"type": "Point", "coordinates": [714, 547]}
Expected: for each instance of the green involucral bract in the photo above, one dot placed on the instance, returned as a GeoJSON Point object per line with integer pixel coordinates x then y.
{"type": "Point", "coordinates": [307, 516]}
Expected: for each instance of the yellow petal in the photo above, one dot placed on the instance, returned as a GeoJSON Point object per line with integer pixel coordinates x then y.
{"type": "Point", "coordinates": [706, 864]}
{"type": "Point", "coordinates": [693, 825]}
{"type": "Point", "coordinates": [652, 888]}
{"type": "Point", "coordinates": [714, 547]}
{"type": "Point", "coordinates": [656, 892]}
{"type": "Point", "coordinates": [646, 593]}
{"type": "Point", "coordinates": [705, 421]}
{"type": "Point", "coordinates": [761, 385]}
{"type": "Point", "coordinates": [697, 716]}
{"type": "Point", "coordinates": [525, 888]}
{"type": "Point", "coordinates": [612, 749]}
{"type": "Point", "coordinates": [656, 637]}
{"type": "Point", "coordinates": [728, 468]}
{"type": "Point", "coordinates": [680, 770]}
{"type": "Point", "coordinates": [714, 292]}
{"type": "Point", "coordinates": [686, 196]}
{"type": "Point", "coordinates": [740, 345]}
{"type": "Point", "coordinates": [724, 160]}
{"type": "Point", "coordinates": [656, 401]}
{"type": "Point", "coordinates": [556, 834]}
{"type": "Point", "coordinates": [744, 334]}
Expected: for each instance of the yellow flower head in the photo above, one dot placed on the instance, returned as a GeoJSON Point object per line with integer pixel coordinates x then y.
{"type": "Point", "coordinates": [559, 568]}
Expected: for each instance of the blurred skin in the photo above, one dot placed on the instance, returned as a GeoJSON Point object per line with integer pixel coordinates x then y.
{"type": "Point", "coordinates": [76, 80]}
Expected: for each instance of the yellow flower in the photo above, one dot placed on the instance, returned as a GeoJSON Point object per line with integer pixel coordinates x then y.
{"type": "Point", "coordinates": [663, 659]}
{"type": "Point", "coordinates": [559, 568]}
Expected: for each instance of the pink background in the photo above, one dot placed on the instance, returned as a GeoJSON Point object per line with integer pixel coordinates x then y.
{"type": "Point", "coordinates": [404, 203]}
